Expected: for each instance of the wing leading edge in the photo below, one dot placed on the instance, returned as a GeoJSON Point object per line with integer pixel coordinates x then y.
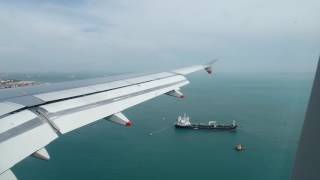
{"type": "Point", "coordinates": [31, 118]}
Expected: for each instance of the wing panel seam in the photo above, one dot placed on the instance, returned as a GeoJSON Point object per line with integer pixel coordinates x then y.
{"type": "Point", "coordinates": [64, 112]}
{"type": "Point", "coordinates": [63, 99]}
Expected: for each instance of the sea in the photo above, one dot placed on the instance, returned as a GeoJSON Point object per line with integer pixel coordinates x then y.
{"type": "Point", "coordinates": [269, 108]}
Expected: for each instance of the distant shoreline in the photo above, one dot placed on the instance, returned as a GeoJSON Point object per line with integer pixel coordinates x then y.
{"type": "Point", "coordinates": [12, 83]}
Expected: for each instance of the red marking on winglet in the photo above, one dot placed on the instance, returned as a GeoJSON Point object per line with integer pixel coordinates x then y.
{"type": "Point", "coordinates": [209, 70]}
{"type": "Point", "coordinates": [129, 124]}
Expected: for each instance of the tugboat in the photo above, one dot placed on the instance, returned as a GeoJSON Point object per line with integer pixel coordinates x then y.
{"type": "Point", "coordinates": [183, 122]}
{"type": "Point", "coordinates": [240, 147]}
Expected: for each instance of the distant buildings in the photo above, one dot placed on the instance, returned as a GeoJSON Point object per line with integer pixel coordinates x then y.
{"type": "Point", "coordinates": [15, 83]}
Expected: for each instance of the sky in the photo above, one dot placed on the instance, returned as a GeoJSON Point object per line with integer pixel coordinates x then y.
{"type": "Point", "coordinates": [144, 35]}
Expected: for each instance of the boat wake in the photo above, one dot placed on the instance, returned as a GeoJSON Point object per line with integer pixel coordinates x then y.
{"type": "Point", "coordinates": [161, 130]}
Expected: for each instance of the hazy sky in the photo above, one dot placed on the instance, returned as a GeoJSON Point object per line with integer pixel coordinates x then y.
{"type": "Point", "coordinates": [148, 35]}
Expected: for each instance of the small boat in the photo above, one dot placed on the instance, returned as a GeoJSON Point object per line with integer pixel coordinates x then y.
{"type": "Point", "coordinates": [183, 122]}
{"type": "Point", "coordinates": [240, 147]}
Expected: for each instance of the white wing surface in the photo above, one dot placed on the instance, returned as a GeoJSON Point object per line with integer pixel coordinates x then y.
{"type": "Point", "coordinates": [32, 117]}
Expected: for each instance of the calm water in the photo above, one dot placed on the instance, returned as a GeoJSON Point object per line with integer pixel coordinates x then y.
{"type": "Point", "coordinates": [269, 109]}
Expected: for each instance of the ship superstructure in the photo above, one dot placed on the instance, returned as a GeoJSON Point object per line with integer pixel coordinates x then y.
{"type": "Point", "coordinates": [183, 120]}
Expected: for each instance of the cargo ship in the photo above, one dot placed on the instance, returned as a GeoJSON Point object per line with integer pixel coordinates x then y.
{"type": "Point", "coordinates": [183, 122]}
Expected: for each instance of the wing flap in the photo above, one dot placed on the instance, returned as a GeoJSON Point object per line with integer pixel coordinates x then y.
{"type": "Point", "coordinates": [91, 108]}
{"type": "Point", "coordinates": [19, 140]}
{"type": "Point", "coordinates": [7, 175]}
{"type": "Point", "coordinates": [53, 109]}
{"type": "Point", "coordinates": [72, 121]}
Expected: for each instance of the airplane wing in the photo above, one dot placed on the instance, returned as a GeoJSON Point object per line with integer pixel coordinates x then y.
{"type": "Point", "coordinates": [32, 117]}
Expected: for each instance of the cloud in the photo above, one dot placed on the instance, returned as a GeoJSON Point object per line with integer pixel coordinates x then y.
{"type": "Point", "coordinates": [112, 35]}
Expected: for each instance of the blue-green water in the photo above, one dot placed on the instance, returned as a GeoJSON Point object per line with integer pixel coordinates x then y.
{"type": "Point", "coordinates": [269, 108]}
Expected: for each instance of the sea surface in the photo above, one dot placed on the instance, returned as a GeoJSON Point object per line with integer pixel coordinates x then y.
{"type": "Point", "coordinates": [269, 108]}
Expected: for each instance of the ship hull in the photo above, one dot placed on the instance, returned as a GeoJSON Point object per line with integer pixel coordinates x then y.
{"type": "Point", "coordinates": [208, 127]}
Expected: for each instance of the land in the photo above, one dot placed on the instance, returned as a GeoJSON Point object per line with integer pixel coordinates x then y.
{"type": "Point", "coordinates": [11, 83]}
